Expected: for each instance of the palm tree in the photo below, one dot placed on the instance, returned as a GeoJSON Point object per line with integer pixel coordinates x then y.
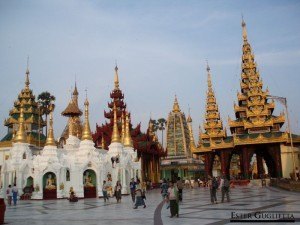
{"type": "Point", "coordinates": [161, 126]}
{"type": "Point", "coordinates": [46, 99]}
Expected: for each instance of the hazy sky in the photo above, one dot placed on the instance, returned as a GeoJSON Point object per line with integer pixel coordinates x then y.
{"type": "Point", "coordinates": [160, 47]}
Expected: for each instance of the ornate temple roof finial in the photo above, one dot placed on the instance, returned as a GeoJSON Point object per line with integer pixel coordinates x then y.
{"type": "Point", "coordinates": [127, 139]}
{"type": "Point", "coordinates": [115, 135]}
{"type": "Point", "coordinates": [50, 139]}
{"type": "Point", "coordinates": [244, 29]}
{"type": "Point", "coordinates": [116, 79]}
{"type": "Point", "coordinates": [27, 82]}
{"type": "Point", "coordinates": [86, 133]}
{"type": "Point", "coordinates": [176, 107]}
{"type": "Point", "coordinates": [207, 66]}
{"type": "Point", "coordinates": [21, 135]}
{"type": "Point", "coordinates": [189, 119]}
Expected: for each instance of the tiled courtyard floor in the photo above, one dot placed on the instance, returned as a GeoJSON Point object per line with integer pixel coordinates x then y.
{"type": "Point", "coordinates": [195, 209]}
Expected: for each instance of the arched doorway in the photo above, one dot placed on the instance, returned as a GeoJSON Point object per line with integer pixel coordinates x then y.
{"type": "Point", "coordinates": [49, 186]}
{"type": "Point", "coordinates": [89, 183]}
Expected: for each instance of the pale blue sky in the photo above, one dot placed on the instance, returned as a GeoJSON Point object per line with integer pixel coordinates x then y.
{"type": "Point", "coordinates": [160, 46]}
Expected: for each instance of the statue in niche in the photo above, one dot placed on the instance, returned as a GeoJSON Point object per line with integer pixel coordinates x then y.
{"type": "Point", "coordinates": [50, 183]}
{"type": "Point", "coordinates": [88, 180]}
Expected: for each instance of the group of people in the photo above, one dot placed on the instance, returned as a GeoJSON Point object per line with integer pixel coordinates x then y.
{"type": "Point", "coordinates": [172, 193]}
{"type": "Point", "coordinates": [214, 185]}
{"type": "Point", "coordinates": [138, 193]}
{"type": "Point", "coordinates": [106, 189]}
{"type": "Point", "coordinates": [12, 194]}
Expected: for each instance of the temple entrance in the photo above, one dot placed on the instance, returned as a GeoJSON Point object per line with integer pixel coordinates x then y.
{"type": "Point", "coordinates": [89, 182]}
{"type": "Point", "coordinates": [174, 175]}
{"type": "Point", "coordinates": [234, 167]}
{"type": "Point", "coordinates": [216, 168]}
{"type": "Point", "coordinates": [49, 186]}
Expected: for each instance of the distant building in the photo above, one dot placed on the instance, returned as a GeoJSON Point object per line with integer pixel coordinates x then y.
{"type": "Point", "coordinates": [179, 161]}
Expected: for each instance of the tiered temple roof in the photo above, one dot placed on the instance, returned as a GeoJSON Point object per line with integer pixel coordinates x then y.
{"type": "Point", "coordinates": [213, 124]}
{"type": "Point", "coordinates": [255, 122]}
{"type": "Point", "coordinates": [253, 111]}
{"type": "Point", "coordinates": [74, 126]}
{"type": "Point", "coordinates": [143, 142]}
{"type": "Point", "coordinates": [33, 121]}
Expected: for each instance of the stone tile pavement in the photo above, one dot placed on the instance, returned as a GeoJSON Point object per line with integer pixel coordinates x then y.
{"type": "Point", "coordinates": [195, 209]}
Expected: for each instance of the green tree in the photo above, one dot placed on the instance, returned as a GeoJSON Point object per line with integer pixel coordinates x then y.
{"type": "Point", "coordinates": [46, 100]}
{"type": "Point", "coordinates": [161, 125]}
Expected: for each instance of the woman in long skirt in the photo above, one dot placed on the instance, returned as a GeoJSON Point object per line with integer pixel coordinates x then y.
{"type": "Point", "coordinates": [118, 189]}
{"type": "Point", "coordinates": [139, 200]}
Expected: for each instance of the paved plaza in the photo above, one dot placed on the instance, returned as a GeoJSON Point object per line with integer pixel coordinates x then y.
{"type": "Point", "coordinates": [195, 209]}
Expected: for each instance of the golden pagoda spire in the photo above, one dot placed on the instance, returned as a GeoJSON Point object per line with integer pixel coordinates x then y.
{"type": "Point", "coordinates": [123, 128]}
{"type": "Point", "coordinates": [115, 135]}
{"type": "Point", "coordinates": [244, 29]}
{"type": "Point", "coordinates": [213, 124]}
{"type": "Point", "coordinates": [86, 133]}
{"type": "Point", "coordinates": [21, 135]}
{"type": "Point", "coordinates": [102, 142]}
{"type": "Point", "coordinates": [192, 141]}
{"type": "Point", "coordinates": [50, 139]}
{"type": "Point", "coordinates": [176, 107]}
{"type": "Point", "coordinates": [127, 139]}
{"type": "Point", "coordinates": [27, 82]}
{"type": "Point", "coordinates": [116, 79]}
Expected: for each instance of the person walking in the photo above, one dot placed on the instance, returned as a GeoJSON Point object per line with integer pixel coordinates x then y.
{"type": "Point", "coordinates": [213, 186]}
{"type": "Point", "coordinates": [139, 197]}
{"type": "Point", "coordinates": [225, 189]}
{"type": "Point", "coordinates": [164, 191]}
{"type": "Point", "coordinates": [173, 199]}
{"type": "Point", "coordinates": [132, 186]}
{"type": "Point", "coordinates": [15, 194]}
{"type": "Point", "coordinates": [9, 194]}
{"type": "Point", "coordinates": [104, 191]}
{"type": "Point", "coordinates": [118, 189]}
{"type": "Point", "coordinates": [180, 188]}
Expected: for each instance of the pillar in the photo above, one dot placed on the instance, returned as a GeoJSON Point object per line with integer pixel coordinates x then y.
{"type": "Point", "coordinates": [208, 163]}
{"type": "Point", "coordinates": [224, 162]}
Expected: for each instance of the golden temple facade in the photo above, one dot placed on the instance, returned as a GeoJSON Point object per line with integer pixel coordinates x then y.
{"type": "Point", "coordinates": [255, 131]}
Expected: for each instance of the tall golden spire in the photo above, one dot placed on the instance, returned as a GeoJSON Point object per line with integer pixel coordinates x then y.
{"type": "Point", "coordinates": [86, 134]}
{"type": "Point", "coordinates": [50, 139]}
{"type": "Point", "coordinates": [127, 139]}
{"type": "Point", "coordinates": [254, 113]}
{"type": "Point", "coordinates": [213, 124]}
{"type": "Point", "coordinates": [115, 135]}
{"type": "Point", "coordinates": [75, 95]}
{"type": "Point", "coordinates": [192, 141]}
{"type": "Point", "coordinates": [21, 135]}
{"type": "Point", "coordinates": [102, 142]}
{"type": "Point", "coordinates": [116, 79]}
{"type": "Point", "coordinates": [123, 128]}
{"type": "Point", "coordinates": [27, 82]}
{"type": "Point", "coordinates": [244, 29]}
{"type": "Point", "coordinates": [176, 107]}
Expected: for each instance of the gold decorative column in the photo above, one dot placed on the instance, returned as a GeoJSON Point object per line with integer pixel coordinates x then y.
{"type": "Point", "coordinates": [86, 134]}
{"type": "Point", "coordinates": [21, 134]}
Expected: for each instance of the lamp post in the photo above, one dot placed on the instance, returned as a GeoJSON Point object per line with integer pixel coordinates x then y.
{"type": "Point", "coordinates": [283, 101]}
